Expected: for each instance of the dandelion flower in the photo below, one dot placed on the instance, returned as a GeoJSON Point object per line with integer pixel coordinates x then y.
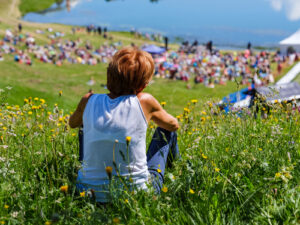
{"type": "Point", "coordinates": [164, 189]}
{"type": "Point", "coordinates": [36, 99]}
{"type": "Point", "coordinates": [64, 188]}
{"type": "Point", "coordinates": [108, 170]}
{"type": "Point", "coordinates": [163, 103]}
{"type": "Point", "coordinates": [60, 93]}
{"type": "Point", "coordinates": [42, 101]}
{"type": "Point", "coordinates": [6, 206]}
{"type": "Point", "coordinates": [217, 169]}
{"type": "Point", "coordinates": [30, 113]}
{"type": "Point", "coordinates": [194, 101]}
{"type": "Point", "coordinates": [48, 223]}
{"type": "Point", "coordinates": [128, 139]}
{"type": "Point", "coordinates": [204, 156]}
{"type": "Point", "coordinates": [159, 170]}
{"type": "Point", "coordinates": [126, 201]}
{"type": "Point", "coordinates": [277, 175]}
{"type": "Point", "coordinates": [82, 194]}
{"type": "Point", "coordinates": [192, 191]}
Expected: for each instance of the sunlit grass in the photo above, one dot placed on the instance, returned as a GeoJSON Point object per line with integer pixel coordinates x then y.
{"type": "Point", "coordinates": [237, 168]}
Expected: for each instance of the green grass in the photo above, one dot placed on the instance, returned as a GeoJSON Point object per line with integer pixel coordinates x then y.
{"type": "Point", "coordinates": [28, 6]}
{"type": "Point", "coordinates": [46, 80]}
{"type": "Point", "coordinates": [235, 169]}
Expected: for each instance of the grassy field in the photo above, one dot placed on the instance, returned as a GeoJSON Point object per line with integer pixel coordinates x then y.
{"type": "Point", "coordinates": [241, 168]}
{"type": "Point", "coordinates": [27, 6]}
{"type": "Point", "coordinates": [235, 169]}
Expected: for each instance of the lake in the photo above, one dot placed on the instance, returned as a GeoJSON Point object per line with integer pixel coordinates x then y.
{"type": "Point", "coordinates": [225, 22]}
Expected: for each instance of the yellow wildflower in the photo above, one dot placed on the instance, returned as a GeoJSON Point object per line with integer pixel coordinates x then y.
{"type": "Point", "coordinates": [30, 113]}
{"type": "Point", "coordinates": [192, 191]}
{"type": "Point", "coordinates": [126, 201]}
{"type": "Point", "coordinates": [4, 128]}
{"type": "Point", "coordinates": [64, 188]}
{"type": "Point", "coordinates": [164, 189]}
{"type": "Point", "coordinates": [163, 103]}
{"type": "Point", "coordinates": [6, 206]}
{"type": "Point", "coordinates": [128, 139]}
{"type": "Point", "coordinates": [277, 175]}
{"type": "Point", "coordinates": [217, 169]}
{"type": "Point", "coordinates": [204, 156]}
{"type": "Point", "coordinates": [194, 101]}
{"type": "Point", "coordinates": [259, 149]}
{"type": "Point", "coordinates": [187, 110]}
{"type": "Point", "coordinates": [82, 194]}
{"type": "Point", "coordinates": [48, 223]}
{"type": "Point", "coordinates": [108, 170]}
{"type": "Point", "coordinates": [73, 134]}
{"type": "Point", "coordinates": [60, 93]}
{"type": "Point", "coordinates": [2, 222]}
{"type": "Point", "coordinates": [159, 170]}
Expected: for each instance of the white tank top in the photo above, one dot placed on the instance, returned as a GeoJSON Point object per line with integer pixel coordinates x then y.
{"type": "Point", "coordinates": [106, 124]}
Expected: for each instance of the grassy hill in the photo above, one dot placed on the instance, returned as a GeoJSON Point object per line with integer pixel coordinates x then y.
{"type": "Point", "coordinates": [241, 168]}
{"type": "Point", "coordinates": [46, 80]}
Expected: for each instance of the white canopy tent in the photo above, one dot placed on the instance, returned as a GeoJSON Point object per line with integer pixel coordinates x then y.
{"type": "Point", "coordinates": [291, 41]}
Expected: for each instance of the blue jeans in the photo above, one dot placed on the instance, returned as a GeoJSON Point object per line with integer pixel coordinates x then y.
{"type": "Point", "coordinates": [163, 150]}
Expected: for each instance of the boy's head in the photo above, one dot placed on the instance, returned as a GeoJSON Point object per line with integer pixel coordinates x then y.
{"type": "Point", "coordinates": [129, 72]}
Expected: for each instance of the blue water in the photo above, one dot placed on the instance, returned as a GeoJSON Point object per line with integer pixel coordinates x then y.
{"type": "Point", "coordinates": [225, 22]}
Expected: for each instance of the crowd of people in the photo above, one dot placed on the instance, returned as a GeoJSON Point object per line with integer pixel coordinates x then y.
{"type": "Point", "coordinates": [58, 51]}
{"type": "Point", "coordinates": [210, 66]}
{"type": "Point", "coordinates": [202, 63]}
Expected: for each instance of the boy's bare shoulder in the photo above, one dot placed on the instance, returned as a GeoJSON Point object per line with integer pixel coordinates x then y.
{"type": "Point", "coordinates": [147, 99]}
{"type": "Point", "coordinates": [144, 96]}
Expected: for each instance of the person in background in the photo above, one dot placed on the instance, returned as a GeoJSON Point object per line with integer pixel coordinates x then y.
{"type": "Point", "coordinates": [20, 27]}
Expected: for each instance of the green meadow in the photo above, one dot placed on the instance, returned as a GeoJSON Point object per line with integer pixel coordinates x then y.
{"type": "Point", "coordinates": [237, 168]}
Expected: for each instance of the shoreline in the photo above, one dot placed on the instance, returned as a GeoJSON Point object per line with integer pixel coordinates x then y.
{"type": "Point", "coordinates": [175, 39]}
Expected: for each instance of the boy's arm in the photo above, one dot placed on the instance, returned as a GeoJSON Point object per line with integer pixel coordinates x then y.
{"type": "Point", "coordinates": [153, 111]}
{"type": "Point", "coordinates": [76, 118]}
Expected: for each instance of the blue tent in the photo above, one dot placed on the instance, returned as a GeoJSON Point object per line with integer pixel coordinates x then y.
{"type": "Point", "coordinates": [238, 96]}
{"type": "Point", "coordinates": [153, 49]}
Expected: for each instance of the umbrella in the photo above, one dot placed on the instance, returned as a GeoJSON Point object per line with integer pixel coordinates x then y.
{"type": "Point", "coordinates": [153, 49]}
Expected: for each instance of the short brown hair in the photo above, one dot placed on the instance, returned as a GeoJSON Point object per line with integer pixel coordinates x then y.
{"type": "Point", "coordinates": [129, 71]}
